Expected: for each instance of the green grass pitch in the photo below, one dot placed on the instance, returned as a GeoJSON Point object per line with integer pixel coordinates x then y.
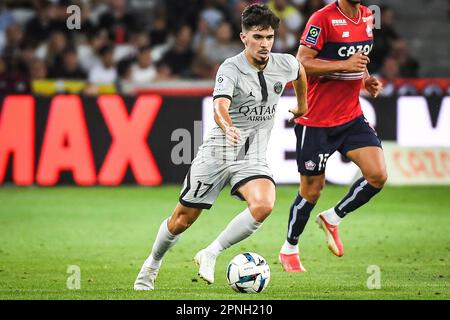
{"type": "Point", "coordinates": [108, 233]}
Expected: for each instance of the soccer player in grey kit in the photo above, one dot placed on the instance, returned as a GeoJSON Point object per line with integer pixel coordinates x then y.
{"type": "Point", "coordinates": [246, 93]}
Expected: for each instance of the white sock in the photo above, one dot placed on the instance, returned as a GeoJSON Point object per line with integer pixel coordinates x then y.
{"type": "Point", "coordinates": [331, 217]}
{"type": "Point", "coordinates": [288, 248]}
{"type": "Point", "coordinates": [242, 226]}
{"type": "Point", "coordinates": [164, 241]}
{"type": "Point", "coordinates": [215, 247]}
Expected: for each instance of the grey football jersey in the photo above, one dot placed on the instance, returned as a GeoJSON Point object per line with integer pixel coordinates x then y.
{"type": "Point", "coordinates": [254, 97]}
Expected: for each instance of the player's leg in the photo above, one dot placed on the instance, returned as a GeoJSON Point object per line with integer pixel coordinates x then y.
{"type": "Point", "coordinates": [201, 187]}
{"type": "Point", "coordinates": [363, 147]}
{"type": "Point", "coordinates": [168, 234]}
{"type": "Point", "coordinates": [313, 150]}
{"type": "Point", "coordinates": [300, 210]}
{"type": "Point", "coordinates": [371, 162]}
{"type": "Point", "coordinates": [260, 196]}
{"type": "Point", "coordinates": [170, 231]}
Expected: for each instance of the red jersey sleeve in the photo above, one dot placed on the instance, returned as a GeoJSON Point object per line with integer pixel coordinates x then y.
{"type": "Point", "coordinates": [315, 33]}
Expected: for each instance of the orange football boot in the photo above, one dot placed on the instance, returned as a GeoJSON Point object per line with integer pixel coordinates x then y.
{"type": "Point", "coordinates": [291, 262]}
{"type": "Point", "coordinates": [331, 231]}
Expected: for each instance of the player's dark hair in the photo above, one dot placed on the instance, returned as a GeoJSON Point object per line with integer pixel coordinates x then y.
{"type": "Point", "coordinates": [260, 17]}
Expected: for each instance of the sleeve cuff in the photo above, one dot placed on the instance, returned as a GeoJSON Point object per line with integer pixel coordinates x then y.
{"type": "Point", "coordinates": [223, 96]}
{"type": "Point", "coordinates": [310, 46]}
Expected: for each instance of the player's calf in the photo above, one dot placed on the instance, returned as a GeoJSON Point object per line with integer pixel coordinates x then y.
{"type": "Point", "coordinates": [182, 218]}
{"type": "Point", "coordinates": [359, 194]}
{"type": "Point", "coordinates": [299, 213]}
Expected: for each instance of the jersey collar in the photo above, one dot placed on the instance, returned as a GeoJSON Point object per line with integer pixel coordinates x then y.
{"type": "Point", "coordinates": [348, 18]}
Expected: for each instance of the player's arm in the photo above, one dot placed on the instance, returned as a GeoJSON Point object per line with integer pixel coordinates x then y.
{"type": "Point", "coordinates": [300, 87]}
{"type": "Point", "coordinates": [223, 120]}
{"type": "Point", "coordinates": [316, 67]}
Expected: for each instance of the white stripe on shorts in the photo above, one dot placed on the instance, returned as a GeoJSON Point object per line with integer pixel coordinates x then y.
{"type": "Point", "coordinates": [303, 137]}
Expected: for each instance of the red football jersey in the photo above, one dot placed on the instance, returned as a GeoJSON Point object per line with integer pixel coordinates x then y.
{"type": "Point", "coordinates": [333, 99]}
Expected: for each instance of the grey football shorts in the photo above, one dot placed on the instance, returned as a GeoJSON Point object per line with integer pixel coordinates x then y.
{"type": "Point", "coordinates": [207, 177]}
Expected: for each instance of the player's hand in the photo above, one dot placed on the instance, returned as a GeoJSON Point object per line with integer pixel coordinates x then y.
{"type": "Point", "coordinates": [357, 62]}
{"type": "Point", "coordinates": [233, 135]}
{"type": "Point", "coordinates": [373, 86]}
{"type": "Point", "coordinates": [297, 112]}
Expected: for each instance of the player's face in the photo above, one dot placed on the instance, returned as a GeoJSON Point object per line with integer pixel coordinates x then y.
{"type": "Point", "coordinates": [354, 1]}
{"type": "Point", "coordinates": [258, 43]}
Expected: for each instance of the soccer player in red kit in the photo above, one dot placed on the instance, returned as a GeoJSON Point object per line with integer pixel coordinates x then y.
{"type": "Point", "coordinates": [334, 51]}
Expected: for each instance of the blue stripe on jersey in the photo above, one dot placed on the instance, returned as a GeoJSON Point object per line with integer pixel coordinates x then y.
{"type": "Point", "coordinates": [344, 50]}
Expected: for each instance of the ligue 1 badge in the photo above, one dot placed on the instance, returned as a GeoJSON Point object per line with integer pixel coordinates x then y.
{"type": "Point", "coordinates": [313, 34]}
{"type": "Point", "coordinates": [220, 85]}
{"type": "Point", "coordinates": [278, 87]}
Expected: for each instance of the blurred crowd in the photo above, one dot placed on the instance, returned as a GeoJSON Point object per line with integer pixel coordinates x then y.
{"type": "Point", "coordinates": [145, 41]}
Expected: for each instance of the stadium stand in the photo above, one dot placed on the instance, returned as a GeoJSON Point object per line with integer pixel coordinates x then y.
{"type": "Point", "coordinates": [130, 46]}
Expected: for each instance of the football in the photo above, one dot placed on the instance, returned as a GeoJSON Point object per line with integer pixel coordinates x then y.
{"type": "Point", "coordinates": [248, 272]}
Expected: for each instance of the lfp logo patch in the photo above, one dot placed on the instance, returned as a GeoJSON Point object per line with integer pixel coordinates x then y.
{"type": "Point", "coordinates": [313, 34]}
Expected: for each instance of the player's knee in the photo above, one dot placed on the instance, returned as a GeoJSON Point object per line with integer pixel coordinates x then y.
{"type": "Point", "coordinates": [312, 195]}
{"type": "Point", "coordinates": [377, 179]}
{"type": "Point", "coordinates": [311, 187]}
{"type": "Point", "coordinates": [312, 192]}
{"type": "Point", "coordinates": [261, 210]}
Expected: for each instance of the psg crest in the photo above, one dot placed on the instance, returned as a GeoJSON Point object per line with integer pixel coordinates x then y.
{"type": "Point", "coordinates": [277, 87]}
